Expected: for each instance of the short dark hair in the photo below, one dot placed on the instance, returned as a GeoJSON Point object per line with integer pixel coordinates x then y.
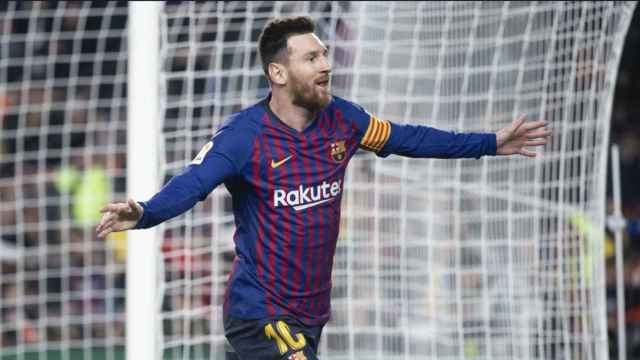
{"type": "Point", "coordinates": [273, 39]}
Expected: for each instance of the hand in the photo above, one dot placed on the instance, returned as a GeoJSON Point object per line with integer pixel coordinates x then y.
{"type": "Point", "coordinates": [119, 217]}
{"type": "Point", "coordinates": [514, 138]}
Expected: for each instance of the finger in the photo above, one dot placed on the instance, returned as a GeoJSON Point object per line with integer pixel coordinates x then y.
{"type": "Point", "coordinates": [115, 207]}
{"type": "Point", "coordinates": [104, 233]}
{"type": "Point", "coordinates": [139, 211]}
{"type": "Point", "coordinates": [105, 218]}
{"type": "Point", "coordinates": [109, 224]}
{"type": "Point", "coordinates": [527, 153]}
{"type": "Point", "coordinates": [135, 207]}
{"type": "Point", "coordinates": [108, 215]}
{"type": "Point", "coordinates": [537, 142]}
{"type": "Point", "coordinates": [540, 133]}
{"type": "Point", "coordinates": [123, 208]}
{"type": "Point", "coordinates": [517, 123]}
{"type": "Point", "coordinates": [100, 229]}
{"type": "Point", "coordinates": [533, 125]}
{"type": "Point", "coordinates": [523, 125]}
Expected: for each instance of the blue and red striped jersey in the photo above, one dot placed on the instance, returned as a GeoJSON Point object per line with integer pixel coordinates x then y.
{"type": "Point", "coordinates": [286, 187]}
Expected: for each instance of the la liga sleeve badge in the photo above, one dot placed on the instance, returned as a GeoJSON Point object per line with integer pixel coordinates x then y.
{"type": "Point", "coordinates": [203, 152]}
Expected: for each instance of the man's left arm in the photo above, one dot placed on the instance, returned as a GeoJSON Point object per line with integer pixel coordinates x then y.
{"type": "Point", "coordinates": [384, 138]}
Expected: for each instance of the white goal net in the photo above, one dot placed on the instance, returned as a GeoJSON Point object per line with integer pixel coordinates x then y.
{"type": "Point", "coordinates": [497, 258]}
{"type": "Point", "coordinates": [437, 259]}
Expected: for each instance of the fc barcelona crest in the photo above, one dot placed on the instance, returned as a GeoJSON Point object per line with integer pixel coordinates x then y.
{"type": "Point", "coordinates": [338, 151]}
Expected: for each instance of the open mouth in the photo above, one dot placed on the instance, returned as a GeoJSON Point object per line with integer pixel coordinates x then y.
{"type": "Point", "coordinates": [323, 83]}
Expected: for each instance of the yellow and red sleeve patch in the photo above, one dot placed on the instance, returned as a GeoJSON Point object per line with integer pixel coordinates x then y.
{"type": "Point", "coordinates": [377, 134]}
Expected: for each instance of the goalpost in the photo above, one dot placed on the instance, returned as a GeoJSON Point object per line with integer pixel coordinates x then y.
{"type": "Point", "coordinates": [497, 258]}
{"type": "Point", "coordinates": [143, 139]}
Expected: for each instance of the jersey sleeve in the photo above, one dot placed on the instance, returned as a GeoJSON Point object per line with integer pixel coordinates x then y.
{"type": "Point", "coordinates": [384, 138]}
{"type": "Point", "coordinates": [222, 157]}
{"type": "Point", "coordinates": [371, 133]}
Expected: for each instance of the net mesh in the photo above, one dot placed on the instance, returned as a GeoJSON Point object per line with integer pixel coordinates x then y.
{"type": "Point", "coordinates": [496, 258]}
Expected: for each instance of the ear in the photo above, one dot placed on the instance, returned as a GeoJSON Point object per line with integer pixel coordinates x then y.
{"type": "Point", "coordinates": [277, 73]}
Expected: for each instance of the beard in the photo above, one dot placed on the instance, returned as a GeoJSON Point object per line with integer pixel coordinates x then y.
{"type": "Point", "coordinates": [308, 96]}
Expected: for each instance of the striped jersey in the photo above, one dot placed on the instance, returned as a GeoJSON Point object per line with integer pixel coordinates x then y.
{"type": "Point", "coordinates": [286, 187]}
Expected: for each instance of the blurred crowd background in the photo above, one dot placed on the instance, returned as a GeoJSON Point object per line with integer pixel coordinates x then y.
{"type": "Point", "coordinates": [73, 150]}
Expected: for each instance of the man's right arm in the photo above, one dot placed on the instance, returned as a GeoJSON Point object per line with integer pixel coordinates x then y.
{"type": "Point", "coordinates": [222, 157]}
{"type": "Point", "coordinates": [183, 191]}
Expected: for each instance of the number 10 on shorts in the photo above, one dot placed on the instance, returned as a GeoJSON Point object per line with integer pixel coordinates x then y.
{"type": "Point", "coordinates": [283, 338]}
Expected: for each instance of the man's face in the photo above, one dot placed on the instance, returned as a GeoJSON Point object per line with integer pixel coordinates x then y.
{"type": "Point", "coordinates": [309, 72]}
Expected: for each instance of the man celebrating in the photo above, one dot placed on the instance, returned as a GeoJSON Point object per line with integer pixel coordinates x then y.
{"type": "Point", "coordinates": [283, 160]}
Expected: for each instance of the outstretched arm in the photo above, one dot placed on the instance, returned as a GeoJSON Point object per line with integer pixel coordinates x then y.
{"type": "Point", "coordinates": [514, 138]}
{"type": "Point", "coordinates": [384, 137]}
{"type": "Point", "coordinates": [219, 159]}
{"type": "Point", "coordinates": [424, 141]}
{"type": "Point", "coordinates": [180, 194]}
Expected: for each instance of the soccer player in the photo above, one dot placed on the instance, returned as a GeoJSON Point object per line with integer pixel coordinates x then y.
{"type": "Point", "coordinates": [283, 160]}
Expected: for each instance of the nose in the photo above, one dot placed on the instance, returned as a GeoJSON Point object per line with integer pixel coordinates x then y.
{"type": "Point", "coordinates": [325, 65]}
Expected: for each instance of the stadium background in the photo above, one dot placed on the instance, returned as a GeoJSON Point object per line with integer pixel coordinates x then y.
{"type": "Point", "coordinates": [625, 132]}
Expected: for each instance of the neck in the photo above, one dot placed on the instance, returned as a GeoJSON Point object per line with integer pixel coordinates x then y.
{"type": "Point", "coordinates": [294, 116]}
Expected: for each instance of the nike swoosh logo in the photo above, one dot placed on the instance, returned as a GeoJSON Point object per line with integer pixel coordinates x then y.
{"type": "Point", "coordinates": [277, 164]}
{"type": "Point", "coordinates": [306, 206]}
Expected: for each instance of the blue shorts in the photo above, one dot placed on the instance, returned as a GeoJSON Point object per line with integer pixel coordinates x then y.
{"type": "Point", "coordinates": [280, 338]}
